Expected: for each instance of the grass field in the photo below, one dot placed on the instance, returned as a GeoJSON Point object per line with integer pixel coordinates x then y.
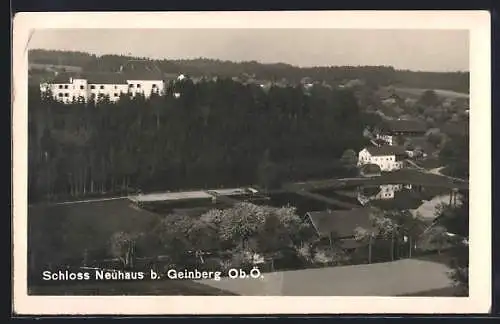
{"type": "Point", "coordinates": [416, 92]}
{"type": "Point", "coordinates": [58, 232]}
{"type": "Point", "coordinates": [402, 277]}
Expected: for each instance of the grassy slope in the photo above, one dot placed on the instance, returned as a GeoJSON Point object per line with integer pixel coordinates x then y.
{"type": "Point", "coordinates": [416, 93]}
{"type": "Point", "coordinates": [67, 230]}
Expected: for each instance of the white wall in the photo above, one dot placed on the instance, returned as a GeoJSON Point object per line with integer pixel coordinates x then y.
{"type": "Point", "coordinates": [389, 139]}
{"type": "Point", "coordinates": [65, 92]}
{"type": "Point", "coordinates": [364, 157]}
{"type": "Point", "coordinates": [62, 92]}
{"type": "Point", "coordinates": [146, 87]}
{"type": "Point", "coordinates": [111, 90]}
{"type": "Point", "coordinates": [79, 88]}
{"type": "Point", "coordinates": [386, 163]}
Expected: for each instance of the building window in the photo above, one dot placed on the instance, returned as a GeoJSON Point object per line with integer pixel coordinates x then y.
{"type": "Point", "coordinates": [60, 94]}
{"type": "Point", "coordinates": [102, 87]}
{"type": "Point", "coordinates": [66, 86]}
{"type": "Point", "coordinates": [82, 87]}
{"type": "Point", "coordinates": [130, 85]}
{"type": "Point", "coordinates": [116, 94]}
{"type": "Point", "coordinates": [138, 85]}
{"type": "Point", "coordinates": [60, 86]}
{"type": "Point", "coordinates": [116, 87]}
{"type": "Point", "coordinates": [66, 94]}
{"type": "Point", "coordinates": [154, 86]}
{"type": "Point", "coordinates": [92, 87]}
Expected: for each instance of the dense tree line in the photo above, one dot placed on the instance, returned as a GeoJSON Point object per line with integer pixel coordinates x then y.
{"type": "Point", "coordinates": [455, 219]}
{"type": "Point", "coordinates": [218, 133]}
{"type": "Point", "coordinates": [379, 75]}
{"type": "Point", "coordinates": [455, 155]}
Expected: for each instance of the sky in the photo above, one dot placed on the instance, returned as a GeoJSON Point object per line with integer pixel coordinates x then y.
{"type": "Point", "coordinates": [418, 50]}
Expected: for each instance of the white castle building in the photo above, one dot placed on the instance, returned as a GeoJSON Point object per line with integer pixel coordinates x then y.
{"type": "Point", "coordinates": [84, 87]}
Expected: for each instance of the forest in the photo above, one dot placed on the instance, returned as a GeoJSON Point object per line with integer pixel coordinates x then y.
{"type": "Point", "coordinates": [216, 134]}
{"type": "Point", "coordinates": [333, 75]}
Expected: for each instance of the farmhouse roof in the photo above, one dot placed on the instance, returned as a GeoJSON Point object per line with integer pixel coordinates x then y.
{"type": "Point", "coordinates": [386, 150]}
{"type": "Point", "coordinates": [144, 75]}
{"type": "Point", "coordinates": [62, 77]}
{"type": "Point", "coordinates": [105, 78]}
{"type": "Point", "coordinates": [396, 125]}
{"type": "Point", "coordinates": [422, 143]}
{"type": "Point", "coordinates": [170, 76]}
{"type": "Point", "coordinates": [340, 222]}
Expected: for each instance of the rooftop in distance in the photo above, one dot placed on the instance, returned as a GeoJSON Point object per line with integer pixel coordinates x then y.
{"type": "Point", "coordinates": [342, 222]}
{"type": "Point", "coordinates": [386, 150]}
{"type": "Point", "coordinates": [398, 125]}
{"type": "Point", "coordinates": [109, 77]}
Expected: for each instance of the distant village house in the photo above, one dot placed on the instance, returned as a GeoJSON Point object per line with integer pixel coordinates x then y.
{"type": "Point", "coordinates": [388, 158]}
{"type": "Point", "coordinates": [339, 226]}
{"type": "Point", "coordinates": [390, 129]}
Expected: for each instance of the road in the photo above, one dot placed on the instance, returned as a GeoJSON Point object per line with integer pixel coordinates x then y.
{"type": "Point", "coordinates": [436, 171]}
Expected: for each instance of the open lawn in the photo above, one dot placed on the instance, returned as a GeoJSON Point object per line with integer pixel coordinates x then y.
{"type": "Point", "coordinates": [416, 93]}
{"type": "Point", "coordinates": [64, 231]}
{"type": "Point", "coordinates": [402, 277]}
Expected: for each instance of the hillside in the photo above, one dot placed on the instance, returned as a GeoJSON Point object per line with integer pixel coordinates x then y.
{"type": "Point", "coordinates": [334, 75]}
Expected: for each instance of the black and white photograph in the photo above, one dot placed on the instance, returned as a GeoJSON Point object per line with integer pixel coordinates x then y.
{"type": "Point", "coordinates": [184, 158]}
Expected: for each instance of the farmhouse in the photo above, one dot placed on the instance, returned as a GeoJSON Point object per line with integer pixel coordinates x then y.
{"type": "Point", "coordinates": [392, 128]}
{"type": "Point", "coordinates": [388, 158]}
{"type": "Point", "coordinates": [419, 146]}
{"type": "Point", "coordinates": [340, 225]}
